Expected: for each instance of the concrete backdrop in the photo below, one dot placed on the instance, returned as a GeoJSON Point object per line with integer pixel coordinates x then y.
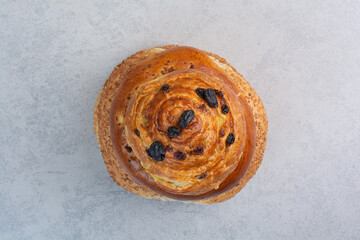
{"type": "Point", "coordinates": [302, 57]}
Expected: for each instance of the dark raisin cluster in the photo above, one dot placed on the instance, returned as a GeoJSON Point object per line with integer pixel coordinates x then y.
{"type": "Point", "coordinates": [179, 155]}
{"type": "Point", "coordinates": [156, 151]}
{"type": "Point", "coordinates": [186, 118]}
{"type": "Point", "coordinates": [225, 109]}
{"type": "Point", "coordinates": [165, 87]}
{"type": "Point", "coordinates": [230, 139]}
{"type": "Point", "coordinates": [173, 132]}
{"type": "Point", "coordinates": [209, 96]}
{"type": "Point", "coordinates": [199, 150]}
{"type": "Point", "coordinates": [137, 132]}
{"type": "Point", "coordinates": [201, 176]}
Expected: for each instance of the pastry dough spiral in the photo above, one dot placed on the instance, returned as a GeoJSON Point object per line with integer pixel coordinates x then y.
{"type": "Point", "coordinates": [211, 154]}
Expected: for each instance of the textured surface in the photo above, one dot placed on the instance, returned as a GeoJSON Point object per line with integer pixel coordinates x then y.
{"type": "Point", "coordinates": [107, 96]}
{"type": "Point", "coordinates": [301, 57]}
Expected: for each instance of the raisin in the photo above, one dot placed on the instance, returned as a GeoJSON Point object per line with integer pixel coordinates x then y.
{"type": "Point", "coordinates": [179, 155]}
{"type": "Point", "coordinates": [198, 151]}
{"type": "Point", "coordinates": [128, 149]}
{"type": "Point", "coordinates": [200, 92]}
{"type": "Point", "coordinates": [137, 132]}
{"type": "Point", "coordinates": [222, 101]}
{"type": "Point", "coordinates": [222, 133]}
{"type": "Point", "coordinates": [165, 87]}
{"type": "Point", "coordinates": [225, 109]}
{"type": "Point", "coordinates": [192, 66]}
{"type": "Point", "coordinates": [230, 139]}
{"type": "Point", "coordinates": [186, 118]}
{"type": "Point", "coordinates": [219, 93]}
{"type": "Point", "coordinates": [201, 176]}
{"type": "Point", "coordinates": [168, 148]}
{"type": "Point", "coordinates": [156, 151]}
{"type": "Point", "coordinates": [210, 98]}
{"type": "Point", "coordinates": [202, 107]}
{"type": "Point", "coordinates": [149, 66]}
{"type": "Point", "coordinates": [173, 132]}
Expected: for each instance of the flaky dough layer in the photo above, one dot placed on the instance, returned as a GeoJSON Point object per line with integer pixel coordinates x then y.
{"type": "Point", "coordinates": [102, 126]}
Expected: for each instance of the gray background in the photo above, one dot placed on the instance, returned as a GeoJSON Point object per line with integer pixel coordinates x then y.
{"type": "Point", "coordinates": [302, 57]}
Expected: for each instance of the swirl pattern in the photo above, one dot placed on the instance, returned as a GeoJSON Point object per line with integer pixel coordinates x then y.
{"type": "Point", "coordinates": [203, 159]}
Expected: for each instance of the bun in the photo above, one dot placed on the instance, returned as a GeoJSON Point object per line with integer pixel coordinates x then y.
{"type": "Point", "coordinates": [180, 123]}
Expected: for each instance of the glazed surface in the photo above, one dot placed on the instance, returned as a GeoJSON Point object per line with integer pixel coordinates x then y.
{"type": "Point", "coordinates": [199, 162]}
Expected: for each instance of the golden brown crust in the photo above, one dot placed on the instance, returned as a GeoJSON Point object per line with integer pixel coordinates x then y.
{"type": "Point", "coordinates": [102, 126]}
